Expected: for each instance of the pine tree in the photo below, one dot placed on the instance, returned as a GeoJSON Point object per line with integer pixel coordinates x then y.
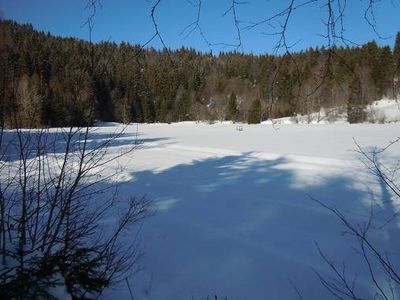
{"type": "Point", "coordinates": [396, 56]}
{"type": "Point", "coordinates": [396, 53]}
{"type": "Point", "coordinates": [148, 110]}
{"type": "Point", "coordinates": [254, 116]}
{"type": "Point", "coordinates": [355, 107]}
{"type": "Point", "coordinates": [183, 108]}
{"type": "Point", "coordinates": [136, 108]}
{"type": "Point", "coordinates": [232, 110]}
{"type": "Point", "coordinates": [384, 71]}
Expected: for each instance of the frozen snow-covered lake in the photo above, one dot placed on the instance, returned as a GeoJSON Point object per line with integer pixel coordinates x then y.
{"type": "Point", "coordinates": [234, 211]}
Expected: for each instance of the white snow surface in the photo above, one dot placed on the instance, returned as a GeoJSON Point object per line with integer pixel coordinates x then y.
{"type": "Point", "coordinates": [385, 110]}
{"type": "Point", "coordinates": [380, 111]}
{"type": "Point", "coordinates": [234, 215]}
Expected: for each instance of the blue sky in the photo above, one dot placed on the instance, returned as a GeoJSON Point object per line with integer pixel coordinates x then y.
{"type": "Point", "coordinates": [129, 20]}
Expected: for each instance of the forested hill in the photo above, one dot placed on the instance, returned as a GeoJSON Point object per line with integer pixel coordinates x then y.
{"type": "Point", "coordinates": [53, 81]}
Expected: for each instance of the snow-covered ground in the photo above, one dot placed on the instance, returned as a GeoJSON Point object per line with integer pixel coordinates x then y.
{"type": "Point", "coordinates": [381, 111]}
{"type": "Point", "coordinates": [385, 110]}
{"type": "Point", "coordinates": [234, 215]}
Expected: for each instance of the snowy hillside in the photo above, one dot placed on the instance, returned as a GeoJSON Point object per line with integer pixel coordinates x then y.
{"type": "Point", "coordinates": [381, 111]}
{"type": "Point", "coordinates": [385, 111]}
{"type": "Point", "coordinates": [234, 214]}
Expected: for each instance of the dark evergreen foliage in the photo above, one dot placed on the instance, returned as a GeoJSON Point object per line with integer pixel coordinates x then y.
{"type": "Point", "coordinates": [232, 110]}
{"type": "Point", "coordinates": [46, 80]}
{"type": "Point", "coordinates": [355, 107]}
{"type": "Point", "coordinates": [254, 116]}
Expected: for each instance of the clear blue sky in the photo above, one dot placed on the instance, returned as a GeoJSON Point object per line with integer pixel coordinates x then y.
{"type": "Point", "coordinates": [129, 20]}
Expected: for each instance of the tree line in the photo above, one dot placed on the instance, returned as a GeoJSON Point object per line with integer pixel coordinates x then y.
{"type": "Point", "coordinates": [49, 81]}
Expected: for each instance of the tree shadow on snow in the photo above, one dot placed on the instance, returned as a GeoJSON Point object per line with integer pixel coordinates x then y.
{"type": "Point", "coordinates": [55, 142]}
{"type": "Point", "coordinates": [242, 228]}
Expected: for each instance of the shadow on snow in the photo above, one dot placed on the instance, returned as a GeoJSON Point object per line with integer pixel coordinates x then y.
{"type": "Point", "coordinates": [54, 141]}
{"type": "Point", "coordinates": [242, 228]}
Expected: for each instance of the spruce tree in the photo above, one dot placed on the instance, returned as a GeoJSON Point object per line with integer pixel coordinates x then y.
{"type": "Point", "coordinates": [384, 71]}
{"type": "Point", "coordinates": [232, 110]}
{"type": "Point", "coordinates": [254, 116]}
{"type": "Point", "coordinates": [183, 109]}
{"type": "Point", "coordinates": [396, 53]}
{"type": "Point", "coordinates": [396, 77]}
{"type": "Point", "coordinates": [355, 107]}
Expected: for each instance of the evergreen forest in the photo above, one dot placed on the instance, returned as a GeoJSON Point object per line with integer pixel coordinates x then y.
{"type": "Point", "coordinates": [49, 81]}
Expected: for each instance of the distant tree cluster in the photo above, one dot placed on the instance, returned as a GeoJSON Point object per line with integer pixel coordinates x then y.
{"type": "Point", "coordinates": [50, 81]}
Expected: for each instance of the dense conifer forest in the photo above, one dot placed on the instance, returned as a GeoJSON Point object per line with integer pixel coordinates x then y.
{"type": "Point", "coordinates": [51, 81]}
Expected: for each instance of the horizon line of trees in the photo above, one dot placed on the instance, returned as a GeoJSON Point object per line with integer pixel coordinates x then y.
{"type": "Point", "coordinates": [49, 81]}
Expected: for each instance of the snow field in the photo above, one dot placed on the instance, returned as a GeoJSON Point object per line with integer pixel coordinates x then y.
{"type": "Point", "coordinates": [234, 215]}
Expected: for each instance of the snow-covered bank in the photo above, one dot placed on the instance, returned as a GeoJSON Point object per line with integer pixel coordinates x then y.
{"type": "Point", "coordinates": [381, 111]}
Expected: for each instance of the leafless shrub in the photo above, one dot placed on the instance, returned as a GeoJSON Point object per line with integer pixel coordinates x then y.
{"type": "Point", "coordinates": [54, 196]}
{"type": "Point", "coordinates": [61, 220]}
